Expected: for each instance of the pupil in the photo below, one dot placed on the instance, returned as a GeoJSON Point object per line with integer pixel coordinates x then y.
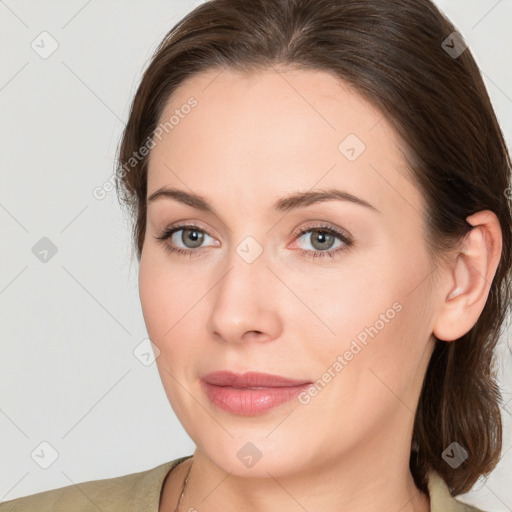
{"type": "Point", "coordinates": [322, 237]}
{"type": "Point", "coordinates": [193, 236]}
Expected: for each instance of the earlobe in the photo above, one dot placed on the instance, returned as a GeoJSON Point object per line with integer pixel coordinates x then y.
{"type": "Point", "coordinates": [471, 278]}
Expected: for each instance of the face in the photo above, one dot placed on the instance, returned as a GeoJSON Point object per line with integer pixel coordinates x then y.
{"type": "Point", "coordinates": [337, 293]}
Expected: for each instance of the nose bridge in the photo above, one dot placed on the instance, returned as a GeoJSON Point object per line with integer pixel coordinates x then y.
{"type": "Point", "coordinates": [246, 266]}
{"type": "Point", "coordinates": [242, 301]}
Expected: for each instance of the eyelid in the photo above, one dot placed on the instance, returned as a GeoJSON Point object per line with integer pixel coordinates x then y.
{"type": "Point", "coordinates": [310, 225]}
{"type": "Point", "coordinates": [318, 225]}
{"type": "Point", "coordinates": [188, 225]}
{"type": "Point", "coordinates": [341, 234]}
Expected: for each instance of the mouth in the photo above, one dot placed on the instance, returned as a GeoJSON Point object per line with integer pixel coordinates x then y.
{"type": "Point", "coordinates": [250, 393]}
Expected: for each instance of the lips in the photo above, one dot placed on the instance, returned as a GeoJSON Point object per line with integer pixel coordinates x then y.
{"type": "Point", "coordinates": [250, 393]}
{"type": "Point", "coordinates": [251, 380]}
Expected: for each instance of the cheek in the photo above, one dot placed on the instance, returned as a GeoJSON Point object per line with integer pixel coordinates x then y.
{"type": "Point", "coordinates": [150, 292]}
{"type": "Point", "coordinates": [160, 301]}
{"type": "Point", "coordinates": [377, 311]}
{"type": "Point", "coordinates": [161, 298]}
{"type": "Point", "coordinates": [346, 300]}
{"type": "Point", "coordinates": [169, 301]}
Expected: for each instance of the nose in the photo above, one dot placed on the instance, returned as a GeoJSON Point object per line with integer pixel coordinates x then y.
{"type": "Point", "coordinates": [245, 303]}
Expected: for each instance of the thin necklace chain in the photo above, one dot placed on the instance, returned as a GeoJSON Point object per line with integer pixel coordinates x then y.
{"type": "Point", "coordinates": [186, 481]}
{"type": "Point", "coordinates": [184, 486]}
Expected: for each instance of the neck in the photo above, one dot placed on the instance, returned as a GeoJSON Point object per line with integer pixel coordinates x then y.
{"type": "Point", "coordinates": [351, 487]}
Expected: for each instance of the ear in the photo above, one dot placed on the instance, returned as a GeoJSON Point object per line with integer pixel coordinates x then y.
{"type": "Point", "coordinates": [470, 277]}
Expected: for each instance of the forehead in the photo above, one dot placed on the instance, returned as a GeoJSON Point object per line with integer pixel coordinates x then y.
{"type": "Point", "coordinates": [270, 131]}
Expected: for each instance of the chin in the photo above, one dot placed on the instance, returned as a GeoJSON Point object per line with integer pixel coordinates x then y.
{"type": "Point", "coordinates": [249, 453]}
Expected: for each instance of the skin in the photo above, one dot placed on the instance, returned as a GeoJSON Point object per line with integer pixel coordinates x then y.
{"type": "Point", "coordinates": [251, 140]}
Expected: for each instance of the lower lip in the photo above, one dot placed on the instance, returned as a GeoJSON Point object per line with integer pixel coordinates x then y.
{"type": "Point", "coordinates": [250, 402]}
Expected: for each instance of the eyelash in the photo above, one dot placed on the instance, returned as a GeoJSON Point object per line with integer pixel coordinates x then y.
{"type": "Point", "coordinates": [348, 242]}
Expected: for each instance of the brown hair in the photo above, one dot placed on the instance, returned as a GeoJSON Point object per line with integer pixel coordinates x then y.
{"type": "Point", "coordinates": [392, 53]}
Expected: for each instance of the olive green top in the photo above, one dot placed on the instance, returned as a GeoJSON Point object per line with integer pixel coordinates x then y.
{"type": "Point", "coordinates": [140, 492]}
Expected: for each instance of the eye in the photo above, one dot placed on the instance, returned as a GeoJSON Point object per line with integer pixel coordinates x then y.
{"type": "Point", "coordinates": [191, 234]}
{"type": "Point", "coordinates": [192, 237]}
{"type": "Point", "coordinates": [322, 241]}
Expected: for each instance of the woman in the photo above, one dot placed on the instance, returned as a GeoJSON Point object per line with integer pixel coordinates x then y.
{"type": "Point", "coordinates": [321, 202]}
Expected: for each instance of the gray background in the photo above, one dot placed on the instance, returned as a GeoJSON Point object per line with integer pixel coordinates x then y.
{"type": "Point", "coordinates": [69, 326]}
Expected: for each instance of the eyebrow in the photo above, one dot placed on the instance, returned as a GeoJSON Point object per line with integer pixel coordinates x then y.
{"type": "Point", "coordinates": [283, 205]}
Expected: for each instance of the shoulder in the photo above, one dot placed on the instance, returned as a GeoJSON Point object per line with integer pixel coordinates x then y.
{"type": "Point", "coordinates": [136, 491]}
{"type": "Point", "coordinates": [440, 498]}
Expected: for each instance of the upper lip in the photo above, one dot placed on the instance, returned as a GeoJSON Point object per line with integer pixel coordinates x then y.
{"type": "Point", "coordinates": [251, 379]}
